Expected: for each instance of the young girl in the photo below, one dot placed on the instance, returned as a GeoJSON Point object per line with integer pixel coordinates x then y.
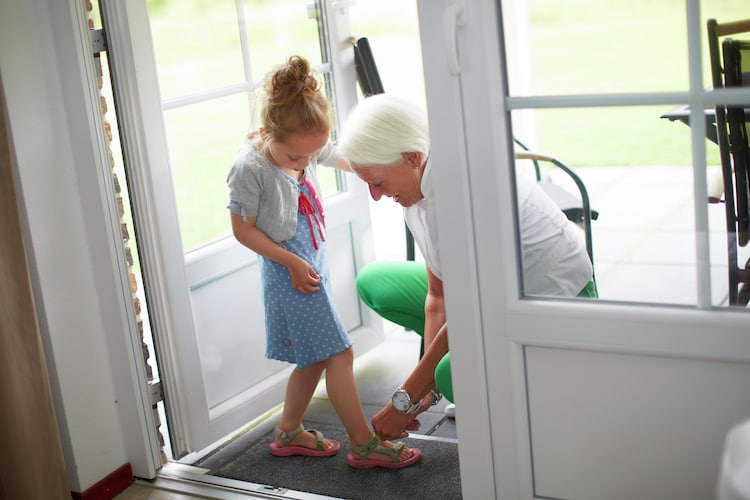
{"type": "Point", "coordinates": [276, 212]}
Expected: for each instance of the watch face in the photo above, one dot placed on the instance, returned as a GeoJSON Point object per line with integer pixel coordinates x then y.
{"type": "Point", "coordinates": [401, 401]}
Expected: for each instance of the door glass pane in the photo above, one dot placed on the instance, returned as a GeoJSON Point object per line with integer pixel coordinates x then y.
{"type": "Point", "coordinates": [636, 162]}
{"type": "Point", "coordinates": [584, 47]}
{"type": "Point", "coordinates": [395, 44]}
{"type": "Point", "coordinates": [607, 46]}
{"type": "Point", "coordinates": [641, 193]}
{"type": "Point", "coordinates": [196, 44]}
{"type": "Point", "coordinates": [396, 48]}
{"type": "Point", "coordinates": [203, 139]}
{"type": "Point", "coordinates": [636, 168]}
{"type": "Point", "coordinates": [211, 56]}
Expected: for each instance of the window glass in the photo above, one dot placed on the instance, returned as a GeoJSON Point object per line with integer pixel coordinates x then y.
{"type": "Point", "coordinates": [211, 57]}
{"type": "Point", "coordinates": [388, 36]}
{"type": "Point", "coordinates": [585, 47]}
{"type": "Point", "coordinates": [196, 45]}
{"type": "Point", "coordinates": [203, 139]}
{"type": "Point", "coordinates": [635, 161]}
{"type": "Point", "coordinates": [641, 192]}
{"type": "Point", "coordinates": [396, 48]}
{"type": "Point", "coordinates": [606, 46]}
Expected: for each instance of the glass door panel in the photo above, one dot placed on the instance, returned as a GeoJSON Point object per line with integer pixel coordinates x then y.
{"type": "Point", "coordinates": [211, 58]}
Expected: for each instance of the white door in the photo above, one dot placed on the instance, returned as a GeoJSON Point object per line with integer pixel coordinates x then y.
{"type": "Point", "coordinates": [185, 75]}
{"type": "Point", "coordinates": [578, 399]}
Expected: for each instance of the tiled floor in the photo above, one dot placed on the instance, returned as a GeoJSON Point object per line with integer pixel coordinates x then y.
{"type": "Point", "coordinates": [644, 251]}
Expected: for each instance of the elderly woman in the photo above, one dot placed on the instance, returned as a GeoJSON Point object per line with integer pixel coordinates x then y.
{"type": "Point", "coordinates": [386, 141]}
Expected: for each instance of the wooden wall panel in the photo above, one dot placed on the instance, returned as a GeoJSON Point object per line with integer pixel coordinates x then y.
{"type": "Point", "coordinates": [31, 462]}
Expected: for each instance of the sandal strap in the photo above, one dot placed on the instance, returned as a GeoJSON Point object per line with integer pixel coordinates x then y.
{"type": "Point", "coordinates": [372, 446]}
{"type": "Point", "coordinates": [286, 437]}
{"type": "Point", "coordinates": [318, 439]}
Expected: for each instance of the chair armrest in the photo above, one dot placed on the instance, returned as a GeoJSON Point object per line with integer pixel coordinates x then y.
{"type": "Point", "coordinates": [531, 155]}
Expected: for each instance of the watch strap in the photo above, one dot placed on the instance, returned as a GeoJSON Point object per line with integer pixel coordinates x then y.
{"type": "Point", "coordinates": [437, 395]}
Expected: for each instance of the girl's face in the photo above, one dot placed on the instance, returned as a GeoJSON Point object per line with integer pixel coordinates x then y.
{"type": "Point", "coordinates": [297, 151]}
{"type": "Point", "coordinates": [401, 182]}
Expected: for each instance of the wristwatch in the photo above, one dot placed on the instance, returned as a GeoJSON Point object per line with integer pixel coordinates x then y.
{"type": "Point", "coordinates": [437, 395]}
{"type": "Point", "coordinates": [402, 402]}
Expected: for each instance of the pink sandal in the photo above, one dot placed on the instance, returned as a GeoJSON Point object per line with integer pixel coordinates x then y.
{"type": "Point", "coordinates": [373, 447]}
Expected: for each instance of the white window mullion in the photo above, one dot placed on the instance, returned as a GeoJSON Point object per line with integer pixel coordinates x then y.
{"type": "Point", "coordinates": [698, 140]}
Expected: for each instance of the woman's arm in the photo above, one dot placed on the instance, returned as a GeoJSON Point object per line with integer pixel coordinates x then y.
{"type": "Point", "coordinates": [303, 276]}
{"type": "Point", "coordinates": [434, 308]}
{"type": "Point", "coordinates": [342, 164]}
{"type": "Point", "coordinates": [391, 424]}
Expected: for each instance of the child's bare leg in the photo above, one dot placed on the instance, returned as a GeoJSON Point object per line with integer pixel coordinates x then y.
{"type": "Point", "coordinates": [299, 391]}
{"type": "Point", "coordinates": [342, 391]}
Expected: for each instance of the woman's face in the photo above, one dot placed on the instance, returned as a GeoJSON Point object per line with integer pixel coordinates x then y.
{"type": "Point", "coordinates": [297, 151]}
{"type": "Point", "coordinates": [401, 182]}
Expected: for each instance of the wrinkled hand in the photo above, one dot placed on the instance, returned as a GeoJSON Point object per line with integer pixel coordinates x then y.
{"type": "Point", "coordinates": [304, 277]}
{"type": "Point", "coordinates": [390, 424]}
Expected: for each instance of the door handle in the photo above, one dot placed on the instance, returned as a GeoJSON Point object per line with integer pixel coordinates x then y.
{"type": "Point", "coordinates": [455, 16]}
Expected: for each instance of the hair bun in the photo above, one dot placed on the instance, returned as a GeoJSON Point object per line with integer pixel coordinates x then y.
{"type": "Point", "coordinates": [291, 100]}
{"type": "Point", "coordinates": [292, 79]}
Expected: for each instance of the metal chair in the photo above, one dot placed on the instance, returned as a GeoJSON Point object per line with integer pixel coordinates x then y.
{"type": "Point", "coordinates": [730, 67]}
{"type": "Point", "coordinates": [576, 208]}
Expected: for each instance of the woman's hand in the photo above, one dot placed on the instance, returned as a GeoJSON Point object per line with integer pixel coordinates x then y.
{"type": "Point", "coordinates": [390, 424]}
{"type": "Point", "coordinates": [304, 277]}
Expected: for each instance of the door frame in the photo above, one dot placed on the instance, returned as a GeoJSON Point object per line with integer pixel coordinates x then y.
{"type": "Point", "coordinates": [136, 100]}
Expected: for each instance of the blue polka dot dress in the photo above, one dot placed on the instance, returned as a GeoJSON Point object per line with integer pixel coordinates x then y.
{"type": "Point", "coordinates": [302, 328]}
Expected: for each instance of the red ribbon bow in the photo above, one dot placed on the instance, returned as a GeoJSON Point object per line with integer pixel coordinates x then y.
{"type": "Point", "coordinates": [307, 209]}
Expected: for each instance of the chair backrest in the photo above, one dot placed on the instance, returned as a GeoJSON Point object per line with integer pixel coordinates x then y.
{"type": "Point", "coordinates": [736, 59]}
{"type": "Point", "coordinates": [577, 210]}
{"type": "Point", "coordinates": [716, 31]}
{"type": "Point", "coordinates": [367, 71]}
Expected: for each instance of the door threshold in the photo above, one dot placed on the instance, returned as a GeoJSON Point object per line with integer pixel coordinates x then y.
{"type": "Point", "coordinates": [189, 480]}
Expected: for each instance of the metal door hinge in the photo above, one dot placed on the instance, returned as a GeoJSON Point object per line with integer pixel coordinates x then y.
{"type": "Point", "coordinates": [98, 45]}
{"type": "Point", "coordinates": [156, 392]}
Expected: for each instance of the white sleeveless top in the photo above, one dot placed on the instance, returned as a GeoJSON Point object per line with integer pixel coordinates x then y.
{"type": "Point", "coordinates": [555, 261]}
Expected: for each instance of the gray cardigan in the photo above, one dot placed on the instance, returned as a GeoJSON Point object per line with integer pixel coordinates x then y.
{"type": "Point", "coordinates": [257, 188]}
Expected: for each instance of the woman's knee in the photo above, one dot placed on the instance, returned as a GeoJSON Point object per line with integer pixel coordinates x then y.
{"type": "Point", "coordinates": [392, 284]}
{"type": "Point", "coordinates": [365, 279]}
{"type": "Point", "coordinates": [443, 379]}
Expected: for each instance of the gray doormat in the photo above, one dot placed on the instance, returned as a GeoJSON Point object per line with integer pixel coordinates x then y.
{"type": "Point", "coordinates": [435, 476]}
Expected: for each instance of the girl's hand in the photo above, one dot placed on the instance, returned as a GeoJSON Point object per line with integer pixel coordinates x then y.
{"type": "Point", "coordinates": [304, 277]}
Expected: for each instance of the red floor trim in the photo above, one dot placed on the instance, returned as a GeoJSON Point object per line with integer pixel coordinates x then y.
{"type": "Point", "coordinates": [109, 487]}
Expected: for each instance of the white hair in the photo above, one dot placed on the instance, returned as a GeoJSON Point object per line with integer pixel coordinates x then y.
{"type": "Point", "coordinates": [382, 127]}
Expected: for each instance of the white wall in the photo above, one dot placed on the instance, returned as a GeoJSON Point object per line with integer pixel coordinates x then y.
{"type": "Point", "coordinates": [78, 291]}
